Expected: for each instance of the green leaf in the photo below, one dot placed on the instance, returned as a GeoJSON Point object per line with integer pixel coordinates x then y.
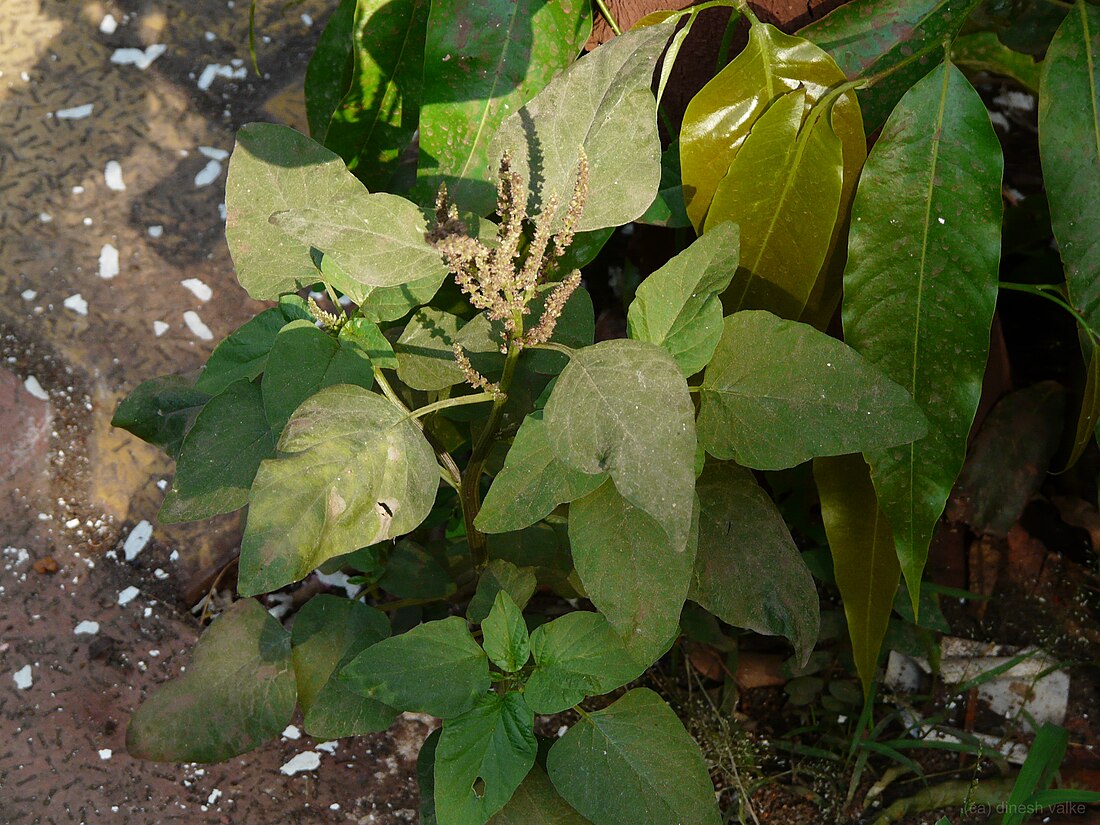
{"type": "Point", "coordinates": [482, 757]}
{"type": "Point", "coordinates": [633, 762]}
{"type": "Point", "coordinates": [1029, 26]}
{"type": "Point", "coordinates": [351, 471]}
{"type": "Point", "coordinates": [274, 168]}
{"type": "Point", "coordinates": [378, 240]}
{"type": "Point", "coordinates": [783, 189]}
{"type": "Point", "coordinates": [576, 655]}
{"type": "Point", "coordinates": [425, 777]}
{"type": "Point", "coordinates": [328, 632]}
{"type": "Point", "coordinates": [1069, 146]}
{"type": "Point", "coordinates": [244, 353]}
{"type": "Point", "coordinates": [482, 62]}
{"type": "Point", "coordinates": [414, 573]}
{"type": "Point", "coordinates": [902, 37]}
{"type": "Point", "coordinates": [748, 571]}
{"type": "Point", "coordinates": [668, 207]}
{"type": "Point", "coordinates": [983, 52]}
{"type": "Point", "coordinates": [328, 75]}
{"type": "Point", "coordinates": [505, 639]}
{"type": "Point", "coordinates": [501, 576]}
{"type": "Point", "coordinates": [425, 350]}
{"type": "Point", "coordinates": [220, 456]}
{"type": "Point", "coordinates": [367, 336]}
{"type": "Point", "coordinates": [864, 560]}
{"type": "Point", "coordinates": [377, 117]}
{"type": "Point", "coordinates": [630, 569]}
{"type": "Point", "coordinates": [435, 668]}
{"type": "Point", "coordinates": [601, 104]}
{"type": "Point", "coordinates": [779, 392]}
{"type": "Point", "coordinates": [921, 286]}
{"type": "Point", "coordinates": [535, 802]}
{"type": "Point", "coordinates": [718, 119]}
{"type": "Point", "coordinates": [161, 411]}
{"type": "Point", "coordinates": [540, 549]}
{"type": "Point", "coordinates": [623, 408]}
{"type": "Point", "coordinates": [532, 482]}
{"type": "Point", "coordinates": [1038, 772]}
{"type": "Point", "coordinates": [305, 360]}
{"type": "Point", "coordinates": [382, 303]}
{"type": "Point", "coordinates": [238, 691]}
{"type": "Point", "coordinates": [677, 307]}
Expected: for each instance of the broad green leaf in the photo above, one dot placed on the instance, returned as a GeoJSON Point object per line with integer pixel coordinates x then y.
{"type": "Point", "coordinates": [678, 308]}
{"type": "Point", "coordinates": [274, 168]}
{"type": "Point", "coordinates": [378, 240]}
{"type": "Point", "coordinates": [500, 576]}
{"type": "Point", "coordinates": [237, 692]}
{"type": "Point", "coordinates": [377, 117]}
{"type": "Point", "coordinates": [328, 75]}
{"type": "Point", "coordinates": [351, 471]}
{"type": "Point", "coordinates": [601, 104]}
{"type": "Point", "coordinates": [425, 777]}
{"type": "Point", "coordinates": [1069, 146]}
{"type": "Point", "coordinates": [719, 117]}
{"type": "Point", "coordinates": [541, 549]}
{"type": "Point", "coordinates": [328, 632]}
{"type": "Point", "coordinates": [900, 39]}
{"type": "Point", "coordinates": [425, 350]}
{"type": "Point", "coordinates": [532, 482]}
{"type": "Point", "coordinates": [983, 52]}
{"type": "Point", "coordinates": [535, 802]}
{"type": "Point", "coordinates": [633, 762]}
{"type": "Point", "coordinates": [367, 336]}
{"type": "Point", "coordinates": [220, 456]}
{"type": "Point", "coordinates": [668, 207]}
{"type": "Point", "coordinates": [482, 62]}
{"type": "Point", "coordinates": [748, 571]}
{"type": "Point", "coordinates": [864, 560]}
{"type": "Point", "coordinates": [783, 190]}
{"type": "Point", "coordinates": [576, 655]}
{"type": "Point", "coordinates": [777, 393]}
{"type": "Point", "coordinates": [305, 360]}
{"type": "Point", "coordinates": [382, 303]}
{"type": "Point", "coordinates": [435, 668]}
{"type": "Point", "coordinates": [505, 637]}
{"type": "Point", "coordinates": [414, 573]}
{"type": "Point", "coordinates": [921, 286]}
{"type": "Point", "coordinates": [634, 574]}
{"type": "Point", "coordinates": [1029, 25]}
{"type": "Point", "coordinates": [161, 411]}
{"type": "Point", "coordinates": [623, 408]}
{"type": "Point", "coordinates": [244, 353]}
{"type": "Point", "coordinates": [482, 757]}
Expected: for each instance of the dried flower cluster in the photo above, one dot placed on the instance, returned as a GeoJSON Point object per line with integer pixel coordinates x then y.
{"type": "Point", "coordinates": [504, 279]}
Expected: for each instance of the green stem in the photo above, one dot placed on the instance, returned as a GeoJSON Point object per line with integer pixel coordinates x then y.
{"type": "Point", "coordinates": [452, 402]}
{"type": "Point", "coordinates": [336, 305]}
{"type": "Point", "coordinates": [606, 12]}
{"type": "Point", "coordinates": [564, 350]}
{"type": "Point", "coordinates": [446, 461]}
{"type": "Point", "coordinates": [387, 390]}
{"type": "Point", "coordinates": [1051, 293]}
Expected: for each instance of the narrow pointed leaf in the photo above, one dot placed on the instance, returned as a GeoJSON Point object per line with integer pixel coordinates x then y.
{"type": "Point", "coordinates": [329, 73]}
{"type": "Point", "coordinates": [921, 286]}
{"type": "Point", "coordinates": [777, 393]}
{"type": "Point", "coordinates": [864, 560]}
{"type": "Point", "coordinates": [535, 802]}
{"type": "Point", "coordinates": [983, 52]}
{"type": "Point", "coordinates": [501, 576]}
{"type": "Point", "coordinates": [238, 691]}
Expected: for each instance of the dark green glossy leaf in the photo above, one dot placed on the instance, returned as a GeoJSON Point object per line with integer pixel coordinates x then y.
{"type": "Point", "coordinates": [983, 52]}
{"type": "Point", "coordinates": [779, 392]}
{"type": "Point", "coordinates": [504, 635]}
{"type": "Point", "coordinates": [535, 802]}
{"type": "Point", "coordinates": [238, 691]}
{"type": "Point", "coordinates": [748, 571]}
{"type": "Point", "coordinates": [544, 550]}
{"type": "Point", "coordinates": [161, 411]}
{"type": "Point", "coordinates": [328, 75]}
{"type": "Point", "coordinates": [435, 668]}
{"type": "Point", "coordinates": [500, 576]}
{"type": "Point", "coordinates": [633, 762]}
{"type": "Point", "coordinates": [351, 471]}
{"type": "Point", "coordinates": [482, 62]}
{"type": "Point", "coordinates": [414, 573]}
{"type": "Point", "coordinates": [1028, 25]}
{"type": "Point", "coordinates": [921, 286]}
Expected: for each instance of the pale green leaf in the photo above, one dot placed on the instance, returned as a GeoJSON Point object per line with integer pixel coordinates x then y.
{"type": "Point", "coordinates": [535, 802]}
{"type": "Point", "coordinates": [504, 635]}
{"type": "Point", "coordinates": [425, 350]}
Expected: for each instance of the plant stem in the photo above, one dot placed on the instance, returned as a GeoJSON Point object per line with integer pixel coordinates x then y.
{"type": "Point", "coordinates": [445, 458]}
{"type": "Point", "coordinates": [610, 18]}
{"type": "Point", "coordinates": [387, 390]}
{"type": "Point", "coordinates": [458, 401]}
{"type": "Point", "coordinates": [1051, 293]}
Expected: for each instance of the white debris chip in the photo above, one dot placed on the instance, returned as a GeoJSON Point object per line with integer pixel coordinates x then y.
{"type": "Point", "coordinates": [23, 678]}
{"type": "Point", "coordinates": [215, 795]}
{"type": "Point", "coordinates": [128, 595]}
{"type": "Point", "coordinates": [77, 304]}
{"type": "Point", "coordinates": [74, 112]}
{"type": "Point", "coordinates": [195, 324]}
{"type": "Point", "coordinates": [307, 20]}
{"type": "Point", "coordinates": [292, 732]}
{"type": "Point", "coordinates": [29, 294]}
{"type": "Point", "coordinates": [214, 70]}
{"type": "Point", "coordinates": [213, 153]}
{"type": "Point", "coordinates": [155, 231]}
{"type": "Point", "coordinates": [329, 747]}
{"type": "Point", "coordinates": [159, 328]}
{"type": "Point", "coordinates": [108, 24]}
{"type": "Point", "coordinates": [106, 753]}
{"type": "Point", "coordinates": [112, 176]}
{"type": "Point", "coordinates": [305, 761]}
{"type": "Point", "coordinates": [136, 541]}
{"type": "Point", "coordinates": [1021, 101]}
{"type": "Point", "coordinates": [45, 217]}
{"type": "Point", "coordinates": [137, 57]}
{"type": "Point", "coordinates": [209, 173]}
{"type": "Point", "coordinates": [86, 628]}
{"type": "Point", "coordinates": [108, 262]}
{"type": "Point", "coordinates": [197, 288]}
{"type": "Point", "coordinates": [32, 386]}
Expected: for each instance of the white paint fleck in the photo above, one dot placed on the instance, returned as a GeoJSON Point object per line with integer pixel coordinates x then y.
{"type": "Point", "coordinates": [45, 217]}
{"type": "Point", "coordinates": [74, 112]}
{"type": "Point", "coordinates": [136, 541]}
{"type": "Point", "coordinates": [292, 732]}
{"type": "Point", "coordinates": [155, 231]}
{"type": "Point", "coordinates": [77, 304]}
{"type": "Point", "coordinates": [23, 678]}
{"type": "Point", "coordinates": [159, 574]}
{"type": "Point", "coordinates": [213, 153]}
{"type": "Point", "coordinates": [305, 761]}
{"type": "Point", "coordinates": [32, 386]}
{"type": "Point", "coordinates": [29, 294]}
{"type": "Point", "coordinates": [215, 70]}
{"type": "Point", "coordinates": [108, 24]}
{"type": "Point", "coordinates": [86, 628]}
{"type": "Point", "coordinates": [214, 796]}
{"type": "Point", "coordinates": [197, 288]}
{"type": "Point", "coordinates": [210, 37]}
{"type": "Point", "coordinates": [159, 328]}
{"type": "Point", "coordinates": [195, 324]}
{"type": "Point", "coordinates": [106, 753]}
{"type": "Point", "coordinates": [128, 595]}
{"type": "Point", "coordinates": [112, 176]}
{"type": "Point", "coordinates": [208, 174]}
{"type": "Point", "coordinates": [137, 57]}
{"type": "Point", "coordinates": [941, 220]}
{"type": "Point", "coordinates": [78, 190]}
{"type": "Point", "coordinates": [329, 747]}
{"type": "Point", "coordinates": [108, 262]}
{"type": "Point", "coordinates": [307, 20]}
